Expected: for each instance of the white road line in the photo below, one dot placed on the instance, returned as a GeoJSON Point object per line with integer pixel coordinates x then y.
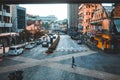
{"type": "Point", "coordinates": [48, 63]}
{"type": "Point", "coordinates": [84, 71]}
{"type": "Point", "coordinates": [18, 67]}
{"type": "Point", "coordinates": [70, 55]}
{"type": "Point", "coordinates": [32, 62]}
{"type": "Point", "coordinates": [23, 59]}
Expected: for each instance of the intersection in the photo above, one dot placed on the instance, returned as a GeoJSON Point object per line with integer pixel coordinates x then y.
{"type": "Point", "coordinates": [91, 65]}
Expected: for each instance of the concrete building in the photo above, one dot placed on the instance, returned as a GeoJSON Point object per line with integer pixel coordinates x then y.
{"type": "Point", "coordinates": [73, 15]}
{"type": "Point", "coordinates": [5, 18]}
{"type": "Point", "coordinates": [45, 19]}
{"type": "Point", "coordinates": [92, 16]}
{"type": "Point", "coordinates": [18, 18]}
{"type": "Point", "coordinates": [85, 15]}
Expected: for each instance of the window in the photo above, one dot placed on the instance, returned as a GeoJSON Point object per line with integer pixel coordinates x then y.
{"type": "Point", "coordinates": [117, 24]}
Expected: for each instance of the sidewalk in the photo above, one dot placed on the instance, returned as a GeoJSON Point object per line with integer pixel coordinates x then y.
{"type": "Point", "coordinates": [6, 50]}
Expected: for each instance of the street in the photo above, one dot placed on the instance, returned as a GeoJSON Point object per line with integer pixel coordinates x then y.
{"type": "Point", "coordinates": [37, 65]}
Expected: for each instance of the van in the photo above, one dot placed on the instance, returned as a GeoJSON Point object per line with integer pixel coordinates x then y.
{"type": "Point", "coordinates": [15, 50]}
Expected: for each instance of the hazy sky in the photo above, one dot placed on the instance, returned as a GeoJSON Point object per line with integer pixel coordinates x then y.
{"type": "Point", "coordinates": [59, 10]}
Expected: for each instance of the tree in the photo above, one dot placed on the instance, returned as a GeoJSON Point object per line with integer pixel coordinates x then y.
{"type": "Point", "coordinates": [46, 25]}
{"type": "Point", "coordinates": [38, 34]}
{"type": "Point", "coordinates": [25, 35]}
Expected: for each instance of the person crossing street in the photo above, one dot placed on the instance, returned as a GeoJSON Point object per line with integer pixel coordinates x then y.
{"type": "Point", "coordinates": [73, 62]}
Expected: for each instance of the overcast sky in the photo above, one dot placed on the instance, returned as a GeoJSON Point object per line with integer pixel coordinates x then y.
{"type": "Point", "coordinates": [59, 10]}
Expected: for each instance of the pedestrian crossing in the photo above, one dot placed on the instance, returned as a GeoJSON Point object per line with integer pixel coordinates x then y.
{"type": "Point", "coordinates": [51, 63]}
{"type": "Point", "coordinates": [71, 49]}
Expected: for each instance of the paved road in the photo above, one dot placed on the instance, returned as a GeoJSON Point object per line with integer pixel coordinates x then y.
{"type": "Point", "coordinates": [66, 44]}
{"type": "Point", "coordinates": [37, 65]}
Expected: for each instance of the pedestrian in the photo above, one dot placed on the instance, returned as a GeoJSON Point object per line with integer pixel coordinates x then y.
{"type": "Point", "coordinates": [73, 62]}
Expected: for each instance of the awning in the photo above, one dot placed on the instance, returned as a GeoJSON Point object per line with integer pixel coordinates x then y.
{"type": "Point", "coordinates": [93, 23]}
{"type": "Point", "coordinates": [96, 22]}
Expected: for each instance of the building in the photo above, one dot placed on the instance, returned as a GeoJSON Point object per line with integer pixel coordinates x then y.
{"type": "Point", "coordinates": [91, 17]}
{"type": "Point", "coordinates": [12, 19]}
{"type": "Point", "coordinates": [73, 16]}
{"type": "Point", "coordinates": [18, 18]}
{"type": "Point", "coordinates": [5, 18]}
{"type": "Point", "coordinates": [62, 24]}
{"type": "Point", "coordinates": [45, 19]}
{"type": "Point", "coordinates": [85, 15]}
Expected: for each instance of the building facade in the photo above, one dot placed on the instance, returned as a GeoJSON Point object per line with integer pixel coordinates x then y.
{"type": "Point", "coordinates": [5, 18]}
{"type": "Point", "coordinates": [94, 17]}
{"type": "Point", "coordinates": [73, 16]}
{"type": "Point", "coordinates": [85, 15]}
{"type": "Point", "coordinates": [45, 19]}
{"type": "Point", "coordinates": [18, 18]}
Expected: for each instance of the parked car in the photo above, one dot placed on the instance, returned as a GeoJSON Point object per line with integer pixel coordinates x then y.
{"type": "Point", "coordinates": [54, 36]}
{"type": "Point", "coordinates": [45, 44]}
{"type": "Point", "coordinates": [30, 45]}
{"type": "Point", "coordinates": [39, 41]}
{"type": "Point", "coordinates": [15, 50]}
{"type": "Point", "coordinates": [79, 41]}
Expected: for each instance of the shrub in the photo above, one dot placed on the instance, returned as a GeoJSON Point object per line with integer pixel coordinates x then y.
{"type": "Point", "coordinates": [53, 46]}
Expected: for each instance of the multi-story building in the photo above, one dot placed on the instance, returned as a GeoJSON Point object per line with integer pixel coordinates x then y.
{"type": "Point", "coordinates": [5, 18]}
{"type": "Point", "coordinates": [18, 18]}
{"type": "Point", "coordinates": [100, 18]}
{"type": "Point", "coordinates": [85, 15]}
{"type": "Point", "coordinates": [46, 19]}
{"type": "Point", "coordinates": [91, 17]}
{"type": "Point", "coordinates": [73, 15]}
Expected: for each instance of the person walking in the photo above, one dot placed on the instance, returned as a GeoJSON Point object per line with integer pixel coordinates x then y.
{"type": "Point", "coordinates": [73, 61]}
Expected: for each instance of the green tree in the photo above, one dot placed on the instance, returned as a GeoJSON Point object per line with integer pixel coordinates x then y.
{"type": "Point", "coordinates": [46, 25]}
{"type": "Point", "coordinates": [25, 35]}
{"type": "Point", "coordinates": [38, 34]}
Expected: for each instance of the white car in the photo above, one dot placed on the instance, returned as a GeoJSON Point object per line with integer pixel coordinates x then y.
{"type": "Point", "coordinates": [15, 50]}
{"type": "Point", "coordinates": [30, 45]}
{"type": "Point", "coordinates": [45, 44]}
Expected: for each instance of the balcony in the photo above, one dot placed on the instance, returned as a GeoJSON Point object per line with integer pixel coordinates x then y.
{"type": "Point", "coordinates": [5, 13]}
{"type": "Point", "coordinates": [5, 24]}
{"type": "Point", "coordinates": [8, 24]}
{"type": "Point", "coordinates": [1, 24]}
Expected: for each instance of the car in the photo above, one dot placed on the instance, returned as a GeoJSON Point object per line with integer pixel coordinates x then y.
{"type": "Point", "coordinates": [54, 36]}
{"type": "Point", "coordinates": [30, 45]}
{"type": "Point", "coordinates": [33, 44]}
{"type": "Point", "coordinates": [39, 41]}
{"type": "Point", "coordinates": [79, 41]}
{"type": "Point", "coordinates": [15, 50]}
{"type": "Point", "coordinates": [45, 44]}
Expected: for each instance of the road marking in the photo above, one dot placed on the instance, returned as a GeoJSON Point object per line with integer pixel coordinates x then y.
{"type": "Point", "coordinates": [50, 62]}
{"type": "Point", "coordinates": [84, 71]}
{"type": "Point", "coordinates": [28, 62]}
{"type": "Point", "coordinates": [58, 58]}
{"type": "Point", "coordinates": [65, 67]}
{"type": "Point", "coordinates": [23, 59]}
{"type": "Point", "coordinates": [70, 55]}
